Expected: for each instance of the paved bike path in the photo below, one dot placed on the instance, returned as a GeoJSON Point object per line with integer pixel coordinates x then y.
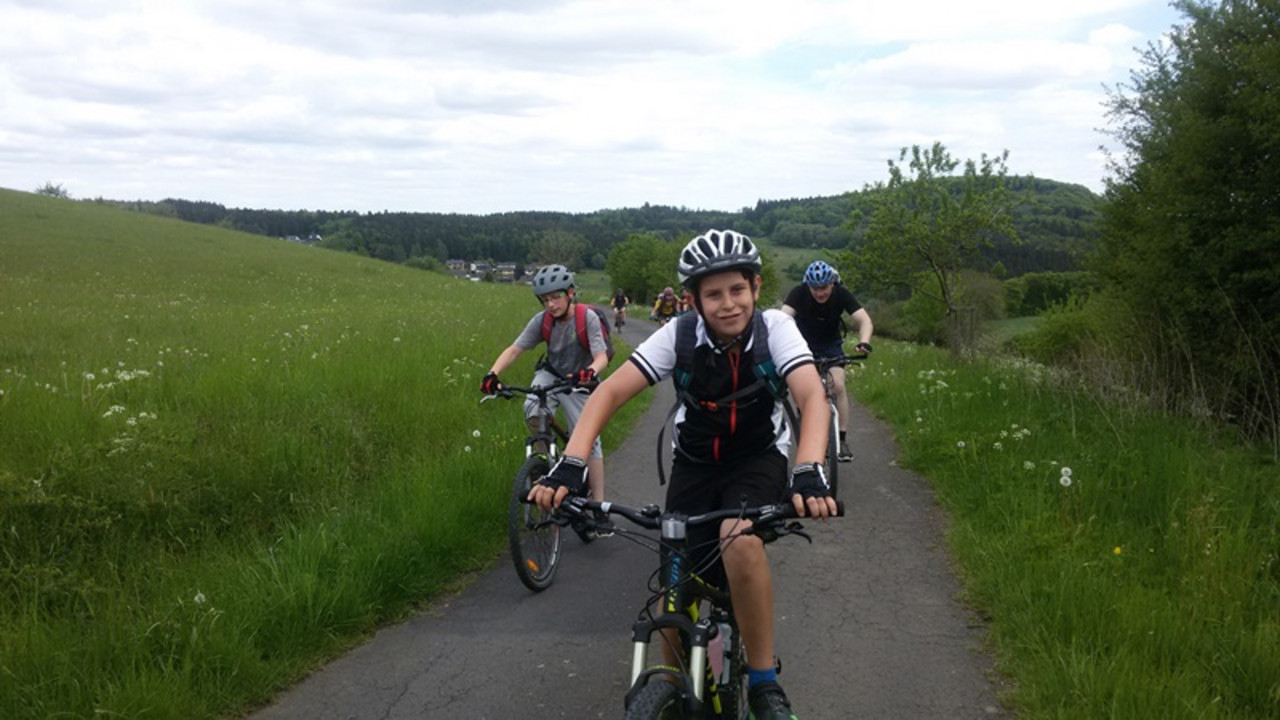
{"type": "Point", "coordinates": [867, 621]}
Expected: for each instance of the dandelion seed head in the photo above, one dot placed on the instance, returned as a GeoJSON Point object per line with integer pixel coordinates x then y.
{"type": "Point", "coordinates": [960, 444]}
{"type": "Point", "coordinates": [475, 433]}
{"type": "Point", "coordinates": [466, 448]}
{"type": "Point", "coordinates": [1066, 472]}
{"type": "Point", "coordinates": [199, 598]}
{"type": "Point", "coordinates": [1065, 481]}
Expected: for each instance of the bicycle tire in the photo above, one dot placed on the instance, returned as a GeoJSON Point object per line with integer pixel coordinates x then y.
{"type": "Point", "coordinates": [832, 465]}
{"type": "Point", "coordinates": [658, 700]}
{"type": "Point", "coordinates": [535, 548]}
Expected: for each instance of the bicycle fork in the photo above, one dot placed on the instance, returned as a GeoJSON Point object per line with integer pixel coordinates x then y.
{"type": "Point", "coordinates": [679, 614]}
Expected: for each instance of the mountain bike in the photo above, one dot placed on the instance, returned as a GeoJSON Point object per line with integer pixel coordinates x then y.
{"type": "Point", "coordinates": [711, 678]}
{"type": "Point", "coordinates": [831, 464]}
{"type": "Point", "coordinates": [534, 535]}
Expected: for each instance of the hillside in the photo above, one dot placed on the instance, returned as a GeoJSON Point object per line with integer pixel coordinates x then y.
{"type": "Point", "coordinates": [224, 457]}
{"type": "Point", "coordinates": [1056, 223]}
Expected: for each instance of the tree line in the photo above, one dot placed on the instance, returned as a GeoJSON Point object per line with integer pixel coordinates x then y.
{"type": "Point", "coordinates": [1057, 224]}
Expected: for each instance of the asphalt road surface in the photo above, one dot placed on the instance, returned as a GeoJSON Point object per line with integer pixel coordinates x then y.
{"type": "Point", "coordinates": [868, 625]}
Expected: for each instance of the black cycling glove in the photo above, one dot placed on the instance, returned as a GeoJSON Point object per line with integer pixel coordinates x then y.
{"type": "Point", "coordinates": [490, 385]}
{"type": "Point", "coordinates": [570, 472]}
{"type": "Point", "coordinates": [809, 481]}
{"type": "Point", "coordinates": [863, 347]}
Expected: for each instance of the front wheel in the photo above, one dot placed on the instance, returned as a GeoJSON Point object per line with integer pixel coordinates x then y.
{"type": "Point", "coordinates": [534, 539]}
{"type": "Point", "coordinates": [832, 464]}
{"type": "Point", "coordinates": [659, 700]}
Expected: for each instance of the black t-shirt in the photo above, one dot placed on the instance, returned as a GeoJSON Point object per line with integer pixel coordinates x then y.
{"type": "Point", "coordinates": [819, 323]}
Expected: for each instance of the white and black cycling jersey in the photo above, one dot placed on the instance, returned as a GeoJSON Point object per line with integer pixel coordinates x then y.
{"type": "Point", "coordinates": [705, 431]}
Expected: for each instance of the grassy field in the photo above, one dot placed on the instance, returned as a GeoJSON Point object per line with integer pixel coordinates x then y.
{"type": "Point", "coordinates": [1128, 563]}
{"type": "Point", "coordinates": [226, 458]}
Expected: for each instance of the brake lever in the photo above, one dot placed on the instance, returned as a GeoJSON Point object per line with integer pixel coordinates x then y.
{"type": "Point", "coordinates": [795, 528]}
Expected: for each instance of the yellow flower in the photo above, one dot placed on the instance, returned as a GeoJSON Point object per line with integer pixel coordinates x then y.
{"type": "Point", "coordinates": [1116, 551]}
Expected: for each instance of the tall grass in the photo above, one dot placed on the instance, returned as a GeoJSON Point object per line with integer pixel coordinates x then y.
{"type": "Point", "coordinates": [224, 458]}
{"type": "Point", "coordinates": [1128, 562]}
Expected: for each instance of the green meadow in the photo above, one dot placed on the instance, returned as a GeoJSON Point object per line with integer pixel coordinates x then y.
{"type": "Point", "coordinates": [224, 458]}
{"type": "Point", "coordinates": [1127, 563]}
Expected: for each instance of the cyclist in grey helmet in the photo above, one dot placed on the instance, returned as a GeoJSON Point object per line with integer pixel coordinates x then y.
{"type": "Point", "coordinates": [566, 357]}
{"type": "Point", "coordinates": [818, 305]}
{"type": "Point", "coordinates": [727, 451]}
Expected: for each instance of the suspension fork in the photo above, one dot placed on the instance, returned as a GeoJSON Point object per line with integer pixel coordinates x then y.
{"type": "Point", "coordinates": [676, 613]}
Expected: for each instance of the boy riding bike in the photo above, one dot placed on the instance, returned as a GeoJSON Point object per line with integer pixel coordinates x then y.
{"type": "Point", "coordinates": [730, 441]}
{"type": "Point", "coordinates": [818, 305]}
{"type": "Point", "coordinates": [619, 303]}
{"type": "Point", "coordinates": [666, 307]}
{"type": "Point", "coordinates": [566, 358]}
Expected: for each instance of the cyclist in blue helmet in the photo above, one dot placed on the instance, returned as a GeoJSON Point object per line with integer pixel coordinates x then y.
{"type": "Point", "coordinates": [819, 305]}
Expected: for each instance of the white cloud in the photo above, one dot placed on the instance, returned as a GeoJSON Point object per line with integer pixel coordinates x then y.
{"type": "Point", "coordinates": [575, 105]}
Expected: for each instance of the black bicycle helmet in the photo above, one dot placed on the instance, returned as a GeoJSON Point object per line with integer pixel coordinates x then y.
{"type": "Point", "coordinates": [716, 251]}
{"type": "Point", "coordinates": [551, 278]}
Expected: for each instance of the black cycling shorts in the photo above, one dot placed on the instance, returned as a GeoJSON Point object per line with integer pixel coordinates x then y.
{"type": "Point", "coordinates": [698, 488]}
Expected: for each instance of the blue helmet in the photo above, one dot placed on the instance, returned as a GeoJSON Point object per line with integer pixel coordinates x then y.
{"type": "Point", "coordinates": [820, 273]}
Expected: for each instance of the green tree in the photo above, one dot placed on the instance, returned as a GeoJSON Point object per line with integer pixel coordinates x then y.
{"type": "Point", "coordinates": [643, 264]}
{"type": "Point", "coordinates": [53, 190]}
{"type": "Point", "coordinates": [558, 246]}
{"type": "Point", "coordinates": [1192, 229]}
{"type": "Point", "coordinates": [926, 225]}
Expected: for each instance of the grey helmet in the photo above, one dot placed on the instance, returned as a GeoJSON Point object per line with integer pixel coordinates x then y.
{"type": "Point", "coordinates": [716, 251]}
{"type": "Point", "coordinates": [550, 279]}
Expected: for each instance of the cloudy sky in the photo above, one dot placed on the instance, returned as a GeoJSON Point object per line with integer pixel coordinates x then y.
{"type": "Point", "coordinates": [482, 106]}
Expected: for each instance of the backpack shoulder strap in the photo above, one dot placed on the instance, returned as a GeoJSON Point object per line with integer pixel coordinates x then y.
{"type": "Point", "coordinates": [546, 326]}
{"type": "Point", "coordinates": [580, 322]}
{"type": "Point", "coordinates": [764, 367]}
{"type": "Point", "coordinates": [686, 342]}
{"type": "Point", "coordinates": [681, 374]}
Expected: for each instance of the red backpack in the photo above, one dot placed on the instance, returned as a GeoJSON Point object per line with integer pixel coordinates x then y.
{"type": "Point", "coordinates": [580, 321]}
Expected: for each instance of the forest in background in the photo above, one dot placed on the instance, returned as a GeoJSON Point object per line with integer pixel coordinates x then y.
{"type": "Point", "coordinates": [1056, 224]}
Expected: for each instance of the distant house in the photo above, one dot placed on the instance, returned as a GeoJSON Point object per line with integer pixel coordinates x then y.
{"type": "Point", "coordinates": [457, 268]}
{"type": "Point", "coordinates": [504, 272]}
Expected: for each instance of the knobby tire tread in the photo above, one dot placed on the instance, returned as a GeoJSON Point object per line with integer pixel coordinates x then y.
{"type": "Point", "coordinates": [658, 700]}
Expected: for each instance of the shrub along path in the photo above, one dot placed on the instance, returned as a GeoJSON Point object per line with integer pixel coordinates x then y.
{"type": "Point", "coordinates": [868, 623]}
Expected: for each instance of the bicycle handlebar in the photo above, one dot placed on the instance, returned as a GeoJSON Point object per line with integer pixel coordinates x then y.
{"type": "Point", "coordinates": [564, 385]}
{"type": "Point", "coordinates": [839, 360]}
{"type": "Point", "coordinates": [650, 517]}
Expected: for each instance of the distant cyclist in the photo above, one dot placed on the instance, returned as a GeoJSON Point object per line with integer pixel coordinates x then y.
{"type": "Point", "coordinates": [619, 303]}
{"type": "Point", "coordinates": [666, 307]}
{"type": "Point", "coordinates": [818, 305]}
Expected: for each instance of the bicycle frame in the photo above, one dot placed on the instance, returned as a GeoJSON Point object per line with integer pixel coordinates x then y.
{"type": "Point", "coordinates": [549, 429]}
